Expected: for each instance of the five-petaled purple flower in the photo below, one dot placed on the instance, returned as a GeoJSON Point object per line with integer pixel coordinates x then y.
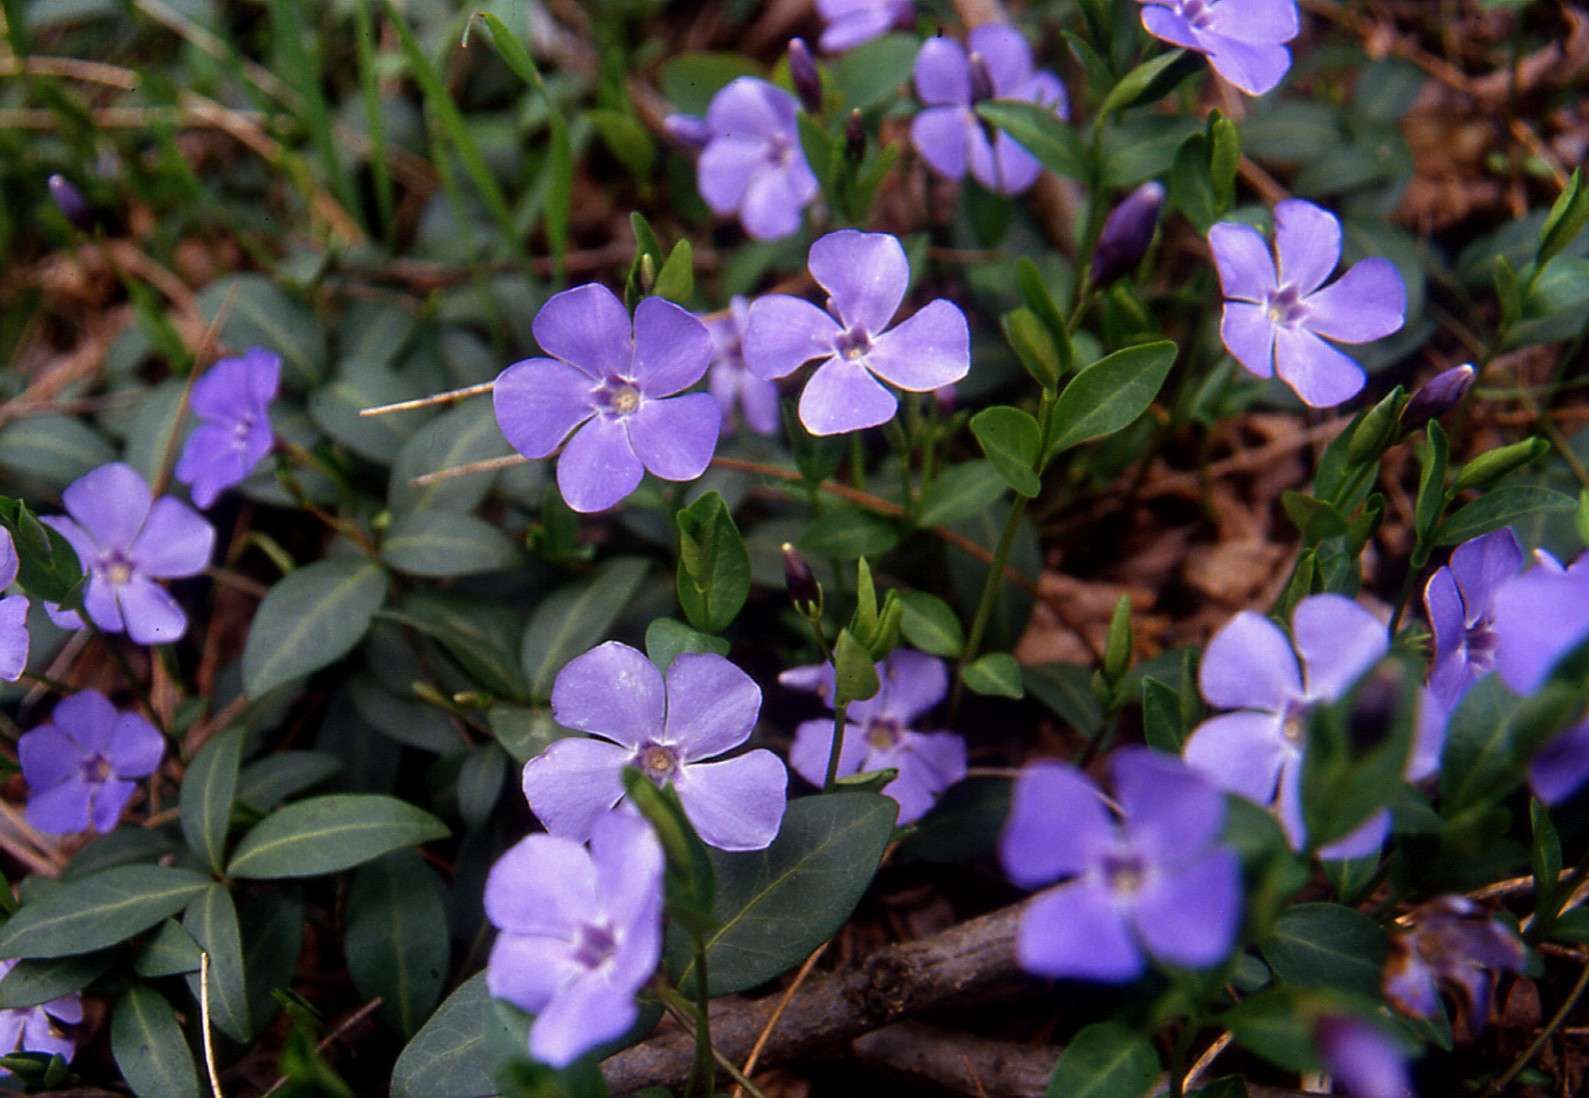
{"type": "Point", "coordinates": [34, 1029]}
{"type": "Point", "coordinates": [13, 614]}
{"type": "Point", "coordinates": [1276, 313]}
{"type": "Point", "coordinates": [1244, 40]}
{"type": "Point", "coordinates": [666, 728]}
{"type": "Point", "coordinates": [878, 733]}
{"type": "Point", "coordinates": [618, 389]}
{"type": "Point", "coordinates": [730, 382]}
{"type": "Point", "coordinates": [949, 135]}
{"type": "Point", "coordinates": [83, 766]}
{"type": "Point", "coordinates": [1249, 667]}
{"type": "Point", "coordinates": [1158, 879]}
{"type": "Point", "coordinates": [1539, 617]}
{"type": "Point", "coordinates": [1454, 942]}
{"type": "Point", "coordinates": [1458, 600]}
{"type": "Point", "coordinates": [232, 401]}
{"type": "Point", "coordinates": [581, 932]}
{"type": "Point", "coordinates": [852, 22]}
{"type": "Point", "coordinates": [865, 275]}
{"type": "Point", "coordinates": [752, 164]}
{"type": "Point", "coordinates": [125, 543]}
{"type": "Point", "coordinates": [1562, 766]}
{"type": "Point", "coordinates": [1362, 1057]}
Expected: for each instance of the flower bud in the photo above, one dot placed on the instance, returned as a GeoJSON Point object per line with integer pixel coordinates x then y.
{"type": "Point", "coordinates": [1437, 396]}
{"type": "Point", "coordinates": [1376, 431]}
{"type": "Point", "coordinates": [854, 137]}
{"type": "Point", "coordinates": [1492, 465]}
{"type": "Point", "coordinates": [803, 72]}
{"type": "Point", "coordinates": [804, 590]}
{"type": "Point", "coordinates": [981, 78]}
{"type": "Point", "coordinates": [70, 201]}
{"type": "Point", "coordinates": [1127, 233]}
{"type": "Point", "coordinates": [687, 129]}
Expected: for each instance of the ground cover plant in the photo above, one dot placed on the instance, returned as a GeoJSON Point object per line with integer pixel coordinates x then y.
{"type": "Point", "coordinates": [794, 548]}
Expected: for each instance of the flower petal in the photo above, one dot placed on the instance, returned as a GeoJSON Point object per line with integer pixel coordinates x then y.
{"type": "Point", "coordinates": [543, 885]}
{"type": "Point", "coordinates": [587, 327]}
{"type": "Point", "coordinates": [1168, 25]}
{"type": "Point", "coordinates": [1189, 916]}
{"type": "Point", "coordinates": [1076, 932]}
{"type": "Point", "coordinates": [135, 748]}
{"type": "Point", "coordinates": [1480, 565]}
{"type": "Point", "coordinates": [942, 73]}
{"type": "Point", "coordinates": [1246, 269]}
{"type": "Point", "coordinates": [865, 275]}
{"type": "Point", "coordinates": [758, 402]}
{"type": "Point", "coordinates": [813, 740]}
{"type": "Point", "coordinates": [1255, 20]}
{"type": "Point", "coordinates": [736, 804]}
{"type": "Point", "coordinates": [1171, 812]}
{"type": "Point", "coordinates": [712, 705]}
{"type": "Point", "coordinates": [939, 135]}
{"type": "Point", "coordinates": [1006, 54]}
{"type": "Point", "coordinates": [725, 169]}
{"type": "Point", "coordinates": [1429, 737]}
{"type": "Point", "coordinates": [175, 541]}
{"type": "Point", "coordinates": [1338, 641]}
{"type": "Point", "coordinates": [1538, 618]}
{"type": "Point", "coordinates": [612, 691]}
{"type": "Point", "coordinates": [151, 614]}
{"type": "Point", "coordinates": [674, 438]}
{"type": "Point", "coordinates": [585, 1014]}
{"type": "Point", "coordinates": [782, 333]}
{"type": "Point", "coordinates": [109, 503]}
{"type": "Point", "coordinates": [774, 199]}
{"type": "Point", "coordinates": [928, 350]}
{"type": "Point", "coordinates": [529, 970]}
{"type": "Point", "coordinates": [109, 798]}
{"type": "Point", "coordinates": [1249, 665]}
{"type": "Point", "coordinates": [573, 783]}
{"type": "Point", "coordinates": [1562, 767]}
{"type": "Point", "coordinates": [1322, 376]}
{"type": "Point", "coordinates": [628, 860]}
{"type": "Point", "coordinates": [1004, 167]}
{"type": "Point", "coordinates": [1057, 821]}
{"type": "Point", "coordinates": [913, 682]}
{"type": "Point", "coordinates": [1249, 335]}
{"type": "Point", "coordinates": [61, 809]}
{"type": "Point", "coordinates": [1442, 604]}
{"type": "Point", "coordinates": [598, 467]}
{"type": "Point", "coordinates": [1242, 752]}
{"type": "Point", "coordinates": [1254, 67]}
{"type": "Point", "coordinates": [843, 396]}
{"type": "Point", "coordinates": [8, 559]}
{"type": "Point", "coordinates": [855, 28]}
{"type": "Point", "coordinates": [102, 604]}
{"type": "Point", "coordinates": [1362, 841]}
{"type": "Point", "coordinates": [929, 763]}
{"type": "Point", "coordinates": [48, 756]}
{"type": "Point", "coordinates": [672, 348]}
{"type": "Point", "coordinates": [1366, 303]}
{"type": "Point", "coordinates": [1307, 244]}
{"type": "Point", "coordinates": [538, 401]}
{"type": "Point", "coordinates": [748, 107]}
{"type": "Point", "coordinates": [1364, 1059]}
{"type": "Point", "coordinates": [88, 718]}
{"type": "Point", "coordinates": [13, 637]}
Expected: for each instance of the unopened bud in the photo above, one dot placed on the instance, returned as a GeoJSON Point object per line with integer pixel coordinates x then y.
{"type": "Point", "coordinates": [687, 129]}
{"type": "Point", "coordinates": [1492, 465]}
{"type": "Point", "coordinates": [1437, 396]}
{"type": "Point", "coordinates": [70, 201]}
{"type": "Point", "coordinates": [1127, 233]}
{"type": "Point", "coordinates": [855, 137]}
{"type": "Point", "coordinates": [648, 272]}
{"type": "Point", "coordinates": [804, 590]}
{"type": "Point", "coordinates": [803, 72]}
{"type": "Point", "coordinates": [1376, 431]}
{"type": "Point", "coordinates": [981, 78]}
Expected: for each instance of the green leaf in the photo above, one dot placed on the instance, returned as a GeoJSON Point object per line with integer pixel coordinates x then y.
{"type": "Point", "coordinates": [266, 783]}
{"type": "Point", "coordinates": [1501, 507]}
{"type": "Point", "coordinates": [1034, 292]}
{"type": "Point", "coordinates": [99, 910]}
{"type": "Point", "coordinates": [1040, 132]}
{"type": "Point", "coordinates": [334, 408]}
{"type": "Point", "coordinates": [1105, 1060]}
{"type": "Point", "coordinates": [690, 80]}
{"type": "Point", "coordinates": [1434, 454]}
{"type": "Point", "coordinates": [171, 951]}
{"type": "Point", "coordinates": [1066, 689]}
{"type": "Point", "coordinates": [996, 673]}
{"type": "Point", "coordinates": [1012, 440]}
{"type": "Point", "coordinates": [869, 74]}
{"type": "Point", "coordinates": [150, 1050]}
{"type": "Point", "coordinates": [1109, 395]}
{"type": "Point", "coordinates": [447, 1056]}
{"type": "Point", "coordinates": [847, 533]}
{"type": "Point", "coordinates": [51, 451]}
{"type": "Point", "coordinates": [714, 565]}
{"type": "Point", "coordinates": [480, 783]}
{"type": "Point", "coordinates": [931, 625]}
{"type": "Point", "coordinates": [1482, 757]}
{"type": "Point", "coordinates": [30, 983]}
{"type": "Point", "coordinates": [1140, 82]}
{"type": "Point", "coordinates": [208, 790]}
{"type": "Point", "coordinates": [1316, 519]}
{"type": "Point", "coordinates": [775, 906]}
{"type": "Point", "coordinates": [959, 492]}
{"type": "Point", "coordinates": [262, 315]}
{"type": "Point", "coordinates": [855, 673]}
{"type": "Point", "coordinates": [397, 941]}
{"type": "Point", "coordinates": [439, 544]}
{"type": "Point", "coordinates": [1327, 946]}
{"type": "Point", "coordinates": [311, 618]}
{"type": "Point", "coordinates": [1567, 217]}
{"type": "Point", "coordinates": [627, 139]}
{"type": "Point", "coordinates": [327, 834]}
{"type": "Point", "coordinates": [575, 619]}
{"type": "Point", "coordinates": [666, 638]}
{"type": "Point", "coordinates": [676, 279]}
{"type": "Point", "coordinates": [1546, 856]}
{"type": "Point", "coordinates": [483, 637]}
{"type": "Point", "coordinates": [212, 921]}
{"type": "Point", "coordinates": [1161, 716]}
{"type": "Point", "coordinates": [465, 434]}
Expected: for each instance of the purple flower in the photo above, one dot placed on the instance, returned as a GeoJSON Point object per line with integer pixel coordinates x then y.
{"type": "Point", "coordinates": [82, 767]}
{"type": "Point", "coordinates": [70, 201]}
{"type": "Point", "coordinates": [1454, 942]}
{"type": "Point", "coordinates": [1458, 600]}
{"type": "Point", "coordinates": [865, 275]}
{"type": "Point", "coordinates": [668, 729]}
{"type": "Point", "coordinates": [232, 401]}
{"type": "Point", "coordinates": [13, 615]}
{"type": "Point", "coordinates": [581, 932]}
{"type": "Point", "coordinates": [730, 382]}
{"type": "Point", "coordinates": [125, 543]}
{"type": "Point", "coordinates": [1437, 396]}
{"type": "Point", "coordinates": [1539, 617]}
{"type": "Point", "coordinates": [1562, 766]}
{"type": "Point", "coordinates": [1127, 232]}
{"type": "Point", "coordinates": [1249, 667]}
{"type": "Point", "coordinates": [1275, 312]}
{"type": "Point", "coordinates": [1156, 880]}
{"type": "Point", "coordinates": [1362, 1057]}
{"type": "Point", "coordinates": [852, 22]}
{"type": "Point", "coordinates": [949, 135]}
{"type": "Point", "coordinates": [34, 1029]}
{"type": "Point", "coordinates": [1242, 39]}
{"type": "Point", "coordinates": [620, 387]}
{"type": "Point", "coordinates": [878, 733]}
{"type": "Point", "coordinates": [752, 164]}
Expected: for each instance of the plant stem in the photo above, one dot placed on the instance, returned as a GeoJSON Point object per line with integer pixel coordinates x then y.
{"type": "Point", "coordinates": [837, 748]}
{"type": "Point", "coordinates": [703, 1075]}
{"type": "Point", "coordinates": [990, 592]}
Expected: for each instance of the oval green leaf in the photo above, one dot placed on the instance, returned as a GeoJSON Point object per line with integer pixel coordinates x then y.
{"type": "Point", "coordinates": [1105, 1060]}
{"type": "Point", "coordinates": [575, 619]}
{"type": "Point", "coordinates": [212, 921]}
{"type": "Point", "coordinates": [397, 939]}
{"type": "Point", "coordinates": [312, 618]}
{"type": "Point", "coordinates": [447, 1055]}
{"type": "Point", "coordinates": [98, 911]}
{"type": "Point", "coordinates": [327, 834]}
{"type": "Point", "coordinates": [149, 1047]}
{"type": "Point", "coordinates": [1110, 394]}
{"type": "Point", "coordinates": [208, 790]}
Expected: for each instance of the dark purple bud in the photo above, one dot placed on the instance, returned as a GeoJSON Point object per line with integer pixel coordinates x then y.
{"type": "Point", "coordinates": [70, 201]}
{"type": "Point", "coordinates": [1437, 396]}
{"type": "Point", "coordinates": [1127, 232]}
{"type": "Point", "coordinates": [687, 129]}
{"type": "Point", "coordinates": [804, 590]}
{"type": "Point", "coordinates": [981, 78]}
{"type": "Point", "coordinates": [946, 399]}
{"type": "Point", "coordinates": [854, 137]}
{"type": "Point", "coordinates": [803, 71]}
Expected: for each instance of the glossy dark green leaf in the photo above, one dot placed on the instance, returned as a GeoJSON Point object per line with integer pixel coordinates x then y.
{"type": "Point", "coordinates": [1500, 507]}
{"type": "Point", "coordinates": [397, 939]}
{"type": "Point", "coordinates": [666, 638]}
{"type": "Point", "coordinates": [1011, 439]}
{"type": "Point", "coordinates": [212, 921]}
{"type": "Point", "coordinates": [170, 951]}
{"type": "Point", "coordinates": [714, 565]}
{"type": "Point", "coordinates": [208, 790]}
{"type": "Point", "coordinates": [1105, 1060]}
{"type": "Point", "coordinates": [689, 80]}
{"type": "Point", "coordinates": [867, 75]}
{"type": "Point", "coordinates": [50, 451]}
{"type": "Point", "coordinates": [32, 982]}
{"type": "Point", "coordinates": [261, 314]}
{"type": "Point", "coordinates": [100, 910]}
{"type": "Point", "coordinates": [1110, 394]}
{"type": "Point", "coordinates": [930, 624]}
{"type": "Point", "coordinates": [457, 437]}
{"type": "Point", "coordinates": [996, 673]}
{"type": "Point", "coordinates": [1331, 946]}
{"type": "Point", "coordinates": [447, 1055]}
{"type": "Point", "coordinates": [1041, 132]}
{"type": "Point", "coordinates": [441, 544]}
{"type": "Point", "coordinates": [957, 493]}
{"type": "Point", "coordinates": [627, 140]}
{"type": "Point", "coordinates": [480, 783]}
{"type": "Point", "coordinates": [150, 1050]}
{"type": "Point", "coordinates": [1161, 716]}
{"type": "Point", "coordinates": [314, 616]}
{"type": "Point", "coordinates": [327, 834]}
{"type": "Point", "coordinates": [483, 637]}
{"type": "Point", "coordinates": [265, 783]}
{"type": "Point", "coordinates": [575, 619]}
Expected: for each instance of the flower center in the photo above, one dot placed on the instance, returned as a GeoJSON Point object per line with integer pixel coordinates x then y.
{"type": "Point", "coordinates": [1294, 725]}
{"type": "Point", "coordinates": [852, 344]}
{"type": "Point", "coordinates": [1284, 306]}
{"type": "Point", "coordinates": [96, 769]}
{"type": "Point", "coordinates": [1481, 645]}
{"type": "Point", "coordinates": [657, 762]}
{"type": "Point", "coordinates": [117, 569]}
{"type": "Point", "coordinates": [884, 734]}
{"type": "Point", "coordinates": [1125, 873]}
{"type": "Point", "coordinates": [619, 397]}
{"type": "Point", "coordinates": [1196, 12]}
{"type": "Point", "coordinates": [243, 427]}
{"type": "Point", "coordinates": [594, 943]}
